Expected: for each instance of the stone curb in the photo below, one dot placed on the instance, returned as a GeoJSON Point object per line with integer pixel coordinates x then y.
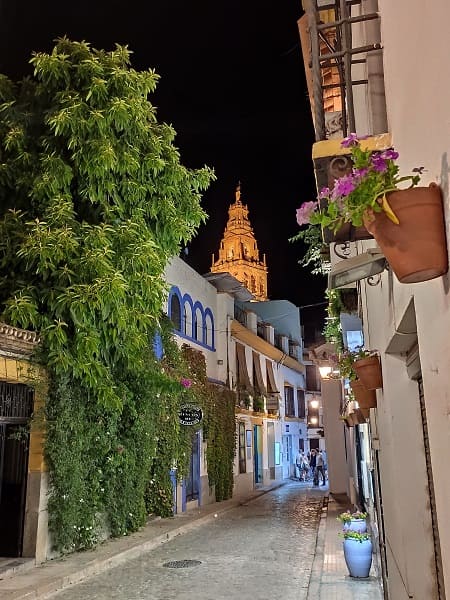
{"type": "Point", "coordinates": [315, 577]}
{"type": "Point", "coordinates": [50, 585]}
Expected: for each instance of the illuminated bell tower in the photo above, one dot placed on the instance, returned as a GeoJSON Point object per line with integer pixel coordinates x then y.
{"type": "Point", "coordinates": [238, 252]}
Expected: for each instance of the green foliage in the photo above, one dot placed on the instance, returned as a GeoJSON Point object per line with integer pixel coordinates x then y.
{"type": "Point", "coordinates": [109, 469]}
{"type": "Point", "coordinates": [219, 424]}
{"type": "Point", "coordinates": [346, 517]}
{"type": "Point", "coordinates": [333, 330]}
{"type": "Point", "coordinates": [258, 403]}
{"type": "Point", "coordinates": [317, 254]}
{"type": "Point", "coordinates": [94, 201]}
{"type": "Point", "coordinates": [349, 534]}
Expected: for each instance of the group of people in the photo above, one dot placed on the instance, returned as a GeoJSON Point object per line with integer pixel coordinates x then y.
{"type": "Point", "coordinates": [311, 466]}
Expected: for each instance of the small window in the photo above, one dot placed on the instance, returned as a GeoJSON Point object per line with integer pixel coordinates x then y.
{"type": "Point", "coordinates": [301, 404]}
{"type": "Point", "coordinates": [289, 401]}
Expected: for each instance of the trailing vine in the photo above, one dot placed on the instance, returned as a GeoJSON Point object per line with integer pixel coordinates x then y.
{"type": "Point", "coordinates": [317, 252]}
{"type": "Point", "coordinates": [333, 329]}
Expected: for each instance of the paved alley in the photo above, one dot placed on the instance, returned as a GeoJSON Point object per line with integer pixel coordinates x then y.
{"type": "Point", "coordinates": [262, 549]}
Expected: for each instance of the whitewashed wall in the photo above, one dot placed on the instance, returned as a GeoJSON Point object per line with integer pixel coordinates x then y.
{"type": "Point", "coordinates": [416, 44]}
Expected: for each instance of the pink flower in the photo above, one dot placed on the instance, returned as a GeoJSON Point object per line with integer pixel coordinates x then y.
{"type": "Point", "coordinates": [360, 173]}
{"type": "Point", "coordinates": [343, 186]}
{"type": "Point", "coordinates": [324, 193]}
{"type": "Point", "coordinates": [351, 140]}
{"type": "Point", "coordinates": [390, 154]}
{"type": "Point", "coordinates": [305, 211]}
{"type": "Point", "coordinates": [186, 383]}
{"type": "Point", "coordinates": [379, 163]}
{"type": "Point", "coordinates": [120, 449]}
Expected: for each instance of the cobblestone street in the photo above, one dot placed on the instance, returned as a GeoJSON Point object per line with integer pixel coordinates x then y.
{"type": "Point", "coordinates": [261, 550]}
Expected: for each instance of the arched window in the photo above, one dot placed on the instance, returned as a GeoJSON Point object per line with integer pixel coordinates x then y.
{"type": "Point", "coordinates": [175, 311]}
{"type": "Point", "coordinates": [209, 326]}
{"type": "Point", "coordinates": [198, 322]}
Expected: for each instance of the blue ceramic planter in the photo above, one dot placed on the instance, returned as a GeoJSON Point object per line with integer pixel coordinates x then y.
{"type": "Point", "coordinates": [359, 525]}
{"type": "Point", "coordinates": [358, 557]}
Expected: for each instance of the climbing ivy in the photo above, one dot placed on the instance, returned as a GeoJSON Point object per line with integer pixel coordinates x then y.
{"type": "Point", "coordinates": [333, 329]}
{"type": "Point", "coordinates": [219, 425]}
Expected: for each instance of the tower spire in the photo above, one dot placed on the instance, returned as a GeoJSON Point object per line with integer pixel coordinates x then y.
{"type": "Point", "coordinates": [238, 251]}
{"type": "Point", "coordinates": [238, 192]}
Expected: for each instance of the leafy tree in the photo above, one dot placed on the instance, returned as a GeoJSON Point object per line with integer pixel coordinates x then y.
{"type": "Point", "coordinates": [94, 202]}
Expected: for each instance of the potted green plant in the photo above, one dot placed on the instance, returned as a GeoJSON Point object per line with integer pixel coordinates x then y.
{"type": "Point", "coordinates": [355, 521]}
{"type": "Point", "coordinates": [360, 364]}
{"type": "Point", "coordinates": [367, 367]}
{"type": "Point", "coordinates": [258, 404]}
{"type": "Point", "coordinates": [344, 517]}
{"type": "Point", "coordinates": [357, 552]}
{"type": "Point", "coordinates": [408, 224]}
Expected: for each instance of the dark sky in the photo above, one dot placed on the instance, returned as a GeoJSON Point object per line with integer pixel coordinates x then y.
{"type": "Point", "coordinates": [232, 85]}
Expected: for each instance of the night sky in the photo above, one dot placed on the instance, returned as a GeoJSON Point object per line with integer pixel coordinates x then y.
{"type": "Point", "coordinates": [232, 85]}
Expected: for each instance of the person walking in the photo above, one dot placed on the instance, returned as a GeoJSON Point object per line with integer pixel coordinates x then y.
{"type": "Point", "coordinates": [325, 463]}
{"type": "Point", "coordinates": [305, 469]}
{"type": "Point", "coordinates": [312, 465]}
{"type": "Point", "coordinates": [320, 467]}
{"type": "Point", "coordinates": [299, 465]}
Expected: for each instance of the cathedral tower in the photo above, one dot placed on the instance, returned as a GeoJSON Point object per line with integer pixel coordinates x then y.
{"type": "Point", "coordinates": [238, 252]}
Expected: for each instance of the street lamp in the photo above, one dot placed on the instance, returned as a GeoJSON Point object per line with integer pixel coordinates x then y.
{"type": "Point", "coordinates": [325, 371]}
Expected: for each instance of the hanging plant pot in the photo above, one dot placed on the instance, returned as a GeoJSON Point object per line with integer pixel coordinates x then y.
{"type": "Point", "coordinates": [368, 371]}
{"type": "Point", "coordinates": [364, 397]}
{"type": "Point", "coordinates": [416, 248]}
{"type": "Point", "coordinates": [358, 557]}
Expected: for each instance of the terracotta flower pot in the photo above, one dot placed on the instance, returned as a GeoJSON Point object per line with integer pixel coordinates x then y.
{"type": "Point", "coordinates": [416, 248]}
{"type": "Point", "coordinates": [368, 371]}
{"type": "Point", "coordinates": [364, 397]}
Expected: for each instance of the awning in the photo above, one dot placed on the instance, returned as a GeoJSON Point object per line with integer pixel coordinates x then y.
{"type": "Point", "coordinates": [271, 385]}
{"type": "Point", "coordinates": [259, 381]}
{"type": "Point", "coordinates": [242, 372]}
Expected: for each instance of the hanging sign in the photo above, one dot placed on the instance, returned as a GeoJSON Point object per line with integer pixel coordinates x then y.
{"type": "Point", "coordinates": [190, 414]}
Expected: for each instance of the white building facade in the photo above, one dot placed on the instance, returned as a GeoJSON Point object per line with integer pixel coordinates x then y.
{"type": "Point", "coordinates": [407, 438]}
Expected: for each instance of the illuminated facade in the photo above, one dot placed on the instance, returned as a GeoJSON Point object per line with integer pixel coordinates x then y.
{"type": "Point", "coordinates": [238, 252]}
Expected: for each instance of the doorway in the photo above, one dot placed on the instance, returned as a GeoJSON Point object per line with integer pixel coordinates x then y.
{"type": "Point", "coordinates": [257, 453]}
{"type": "Point", "coordinates": [16, 406]}
{"type": "Point", "coordinates": [193, 477]}
{"type": "Point", "coordinates": [287, 456]}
